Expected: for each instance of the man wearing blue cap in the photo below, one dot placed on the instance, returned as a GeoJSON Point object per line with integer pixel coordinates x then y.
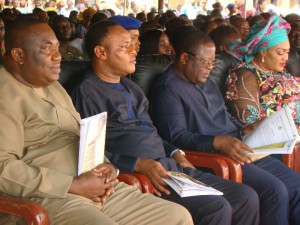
{"type": "Point", "coordinates": [132, 25]}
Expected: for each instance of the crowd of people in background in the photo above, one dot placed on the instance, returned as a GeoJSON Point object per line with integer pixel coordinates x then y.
{"type": "Point", "coordinates": [194, 34]}
{"type": "Point", "coordinates": [71, 20]}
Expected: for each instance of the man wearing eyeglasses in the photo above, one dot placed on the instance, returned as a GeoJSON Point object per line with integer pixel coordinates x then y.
{"type": "Point", "coordinates": [187, 107]}
{"type": "Point", "coordinates": [188, 111]}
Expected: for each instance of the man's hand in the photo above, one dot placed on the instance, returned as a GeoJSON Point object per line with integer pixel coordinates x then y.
{"type": "Point", "coordinates": [111, 177]}
{"type": "Point", "coordinates": [108, 169]}
{"type": "Point", "coordinates": [155, 172]}
{"type": "Point", "coordinates": [96, 184]}
{"type": "Point", "coordinates": [181, 160]}
{"type": "Point", "coordinates": [233, 148]}
{"type": "Point", "coordinates": [298, 128]}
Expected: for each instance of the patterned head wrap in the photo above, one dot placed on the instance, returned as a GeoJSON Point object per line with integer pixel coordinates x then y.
{"type": "Point", "coordinates": [263, 35]}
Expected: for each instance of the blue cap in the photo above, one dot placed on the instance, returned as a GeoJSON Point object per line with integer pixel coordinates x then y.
{"type": "Point", "coordinates": [126, 22]}
{"type": "Point", "coordinates": [230, 5]}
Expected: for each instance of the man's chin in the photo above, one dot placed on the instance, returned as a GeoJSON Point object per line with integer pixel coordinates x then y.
{"type": "Point", "coordinates": [203, 80]}
{"type": "Point", "coordinates": [131, 70]}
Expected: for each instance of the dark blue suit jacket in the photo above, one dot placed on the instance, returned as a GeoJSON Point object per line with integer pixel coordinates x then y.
{"type": "Point", "coordinates": [130, 132]}
{"type": "Point", "coordinates": [189, 116]}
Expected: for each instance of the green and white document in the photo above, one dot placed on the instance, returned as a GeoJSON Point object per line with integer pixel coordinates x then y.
{"type": "Point", "coordinates": [276, 134]}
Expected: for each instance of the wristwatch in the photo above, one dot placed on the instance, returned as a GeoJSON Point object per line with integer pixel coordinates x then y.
{"type": "Point", "coordinates": [178, 150]}
{"type": "Point", "coordinates": [117, 172]}
{"type": "Point", "coordinates": [181, 152]}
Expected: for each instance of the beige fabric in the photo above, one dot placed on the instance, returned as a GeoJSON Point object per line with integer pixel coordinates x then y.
{"type": "Point", "coordinates": [38, 159]}
{"type": "Point", "coordinates": [127, 206]}
{"type": "Point", "coordinates": [39, 138]}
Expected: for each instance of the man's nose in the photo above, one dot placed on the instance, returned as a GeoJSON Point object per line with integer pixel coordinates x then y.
{"type": "Point", "coordinates": [56, 55]}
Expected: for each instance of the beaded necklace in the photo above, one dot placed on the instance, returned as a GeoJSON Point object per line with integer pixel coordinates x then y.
{"type": "Point", "coordinates": [267, 73]}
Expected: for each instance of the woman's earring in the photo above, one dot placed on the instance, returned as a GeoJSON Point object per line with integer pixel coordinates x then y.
{"type": "Point", "coordinates": [263, 59]}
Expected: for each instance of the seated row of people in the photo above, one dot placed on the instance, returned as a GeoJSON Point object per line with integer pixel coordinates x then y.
{"type": "Point", "coordinates": [189, 111]}
{"type": "Point", "coordinates": [177, 112]}
{"type": "Point", "coordinates": [40, 138]}
{"type": "Point", "coordinates": [132, 142]}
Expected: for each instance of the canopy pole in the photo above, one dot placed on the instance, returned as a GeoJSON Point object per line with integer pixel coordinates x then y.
{"type": "Point", "coordinates": [124, 7]}
{"type": "Point", "coordinates": [245, 3]}
{"type": "Point", "coordinates": [160, 6]}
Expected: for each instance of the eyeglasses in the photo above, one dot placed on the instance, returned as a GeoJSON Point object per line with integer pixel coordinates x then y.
{"type": "Point", "coordinates": [207, 63]}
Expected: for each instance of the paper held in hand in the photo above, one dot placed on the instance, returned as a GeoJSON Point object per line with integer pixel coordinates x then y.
{"type": "Point", "coordinates": [92, 142]}
{"type": "Point", "coordinates": [187, 186]}
{"type": "Point", "coordinates": [276, 134]}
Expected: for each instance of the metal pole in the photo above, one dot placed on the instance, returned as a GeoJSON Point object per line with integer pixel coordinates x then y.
{"type": "Point", "coordinates": [124, 7]}
{"type": "Point", "coordinates": [160, 6]}
{"type": "Point", "coordinates": [245, 3]}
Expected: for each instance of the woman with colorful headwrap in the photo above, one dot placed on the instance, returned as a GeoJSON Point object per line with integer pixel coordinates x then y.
{"type": "Point", "coordinates": [261, 85]}
{"type": "Point", "coordinates": [258, 87]}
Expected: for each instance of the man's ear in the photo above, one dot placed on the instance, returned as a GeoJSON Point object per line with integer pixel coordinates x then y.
{"type": "Point", "coordinates": [18, 55]}
{"type": "Point", "coordinates": [99, 52]}
{"type": "Point", "coordinates": [183, 58]}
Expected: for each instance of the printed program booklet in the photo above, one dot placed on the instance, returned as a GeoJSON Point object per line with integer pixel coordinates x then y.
{"type": "Point", "coordinates": [92, 142]}
{"type": "Point", "coordinates": [276, 134]}
{"type": "Point", "coordinates": [187, 186]}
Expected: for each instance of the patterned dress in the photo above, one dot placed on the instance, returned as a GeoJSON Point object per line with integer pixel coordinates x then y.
{"type": "Point", "coordinates": [253, 94]}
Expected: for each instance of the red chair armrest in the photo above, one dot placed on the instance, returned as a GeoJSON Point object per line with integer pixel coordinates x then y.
{"type": "Point", "coordinates": [209, 160]}
{"type": "Point", "coordinates": [232, 170]}
{"type": "Point", "coordinates": [288, 159]}
{"type": "Point", "coordinates": [235, 169]}
{"type": "Point", "coordinates": [292, 160]}
{"type": "Point", "coordinates": [147, 186]}
{"type": "Point", "coordinates": [130, 179]}
{"type": "Point", "coordinates": [297, 158]}
{"type": "Point", "coordinates": [32, 212]}
{"type": "Point", "coordinates": [138, 180]}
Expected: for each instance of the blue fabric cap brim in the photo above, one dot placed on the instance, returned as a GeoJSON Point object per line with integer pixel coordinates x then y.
{"type": "Point", "coordinates": [126, 22]}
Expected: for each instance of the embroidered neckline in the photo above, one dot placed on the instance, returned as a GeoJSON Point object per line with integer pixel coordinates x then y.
{"type": "Point", "coordinates": [268, 72]}
{"type": "Point", "coordinates": [253, 65]}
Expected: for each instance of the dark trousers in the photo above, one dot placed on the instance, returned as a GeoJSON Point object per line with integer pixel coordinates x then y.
{"type": "Point", "coordinates": [278, 188]}
{"type": "Point", "coordinates": [238, 206]}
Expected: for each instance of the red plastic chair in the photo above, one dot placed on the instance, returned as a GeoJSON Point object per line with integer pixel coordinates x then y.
{"type": "Point", "coordinates": [221, 165]}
